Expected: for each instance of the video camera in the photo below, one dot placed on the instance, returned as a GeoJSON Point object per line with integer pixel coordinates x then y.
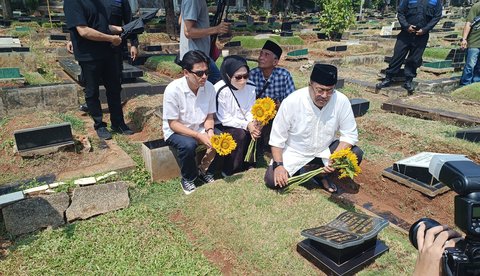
{"type": "Point", "coordinates": [463, 176]}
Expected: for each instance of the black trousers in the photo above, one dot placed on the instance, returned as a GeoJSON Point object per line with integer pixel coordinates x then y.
{"type": "Point", "coordinates": [269, 179]}
{"type": "Point", "coordinates": [107, 70]}
{"type": "Point", "coordinates": [412, 45]}
{"type": "Point", "coordinates": [234, 162]}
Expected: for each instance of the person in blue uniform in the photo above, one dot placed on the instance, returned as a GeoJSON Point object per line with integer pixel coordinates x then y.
{"type": "Point", "coordinates": [417, 18]}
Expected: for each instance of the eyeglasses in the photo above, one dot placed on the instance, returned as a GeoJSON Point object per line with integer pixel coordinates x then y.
{"type": "Point", "coordinates": [200, 73]}
{"type": "Point", "coordinates": [320, 91]}
{"type": "Point", "coordinates": [239, 77]}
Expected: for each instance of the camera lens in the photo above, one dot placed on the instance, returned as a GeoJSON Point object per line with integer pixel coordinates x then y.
{"type": "Point", "coordinates": [412, 233]}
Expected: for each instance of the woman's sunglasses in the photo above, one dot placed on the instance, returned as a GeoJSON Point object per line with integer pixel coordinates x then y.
{"type": "Point", "coordinates": [200, 73]}
{"type": "Point", "coordinates": [239, 77]}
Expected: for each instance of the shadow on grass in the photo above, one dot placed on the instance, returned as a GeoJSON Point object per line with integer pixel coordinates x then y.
{"type": "Point", "coordinates": [233, 178]}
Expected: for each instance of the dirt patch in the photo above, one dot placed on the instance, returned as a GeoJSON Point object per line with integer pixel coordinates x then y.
{"type": "Point", "coordinates": [222, 258]}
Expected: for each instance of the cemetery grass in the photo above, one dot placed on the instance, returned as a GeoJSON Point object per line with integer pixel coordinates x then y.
{"type": "Point", "coordinates": [250, 42]}
{"type": "Point", "coordinates": [232, 226]}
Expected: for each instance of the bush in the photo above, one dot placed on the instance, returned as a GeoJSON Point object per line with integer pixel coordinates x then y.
{"type": "Point", "coordinates": [336, 16]}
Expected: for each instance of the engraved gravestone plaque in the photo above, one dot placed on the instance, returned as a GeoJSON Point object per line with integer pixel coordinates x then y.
{"type": "Point", "coordinates": [345, 245]}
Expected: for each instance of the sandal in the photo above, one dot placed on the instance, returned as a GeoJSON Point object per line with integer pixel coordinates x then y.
{"type": "Point", "coordinates": [332, 188]}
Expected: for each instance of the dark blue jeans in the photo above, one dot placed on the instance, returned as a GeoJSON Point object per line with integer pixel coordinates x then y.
{"type": "Point", "coordinates": [471, 70]}
{"type": "Point", "coordinates": [184, 149]}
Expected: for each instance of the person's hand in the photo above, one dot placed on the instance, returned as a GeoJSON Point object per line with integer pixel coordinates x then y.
{"type": "Point", "coordinates": [115, 29]}
{"type": "Point", "coordinates": [204, 139]}
{"type": "Point", "coordinates": [280, 176]}
{"type": "Point", "coordinates": [116, 40]}
{"type": "Point", "coordinates": [70, 47]}
{"type": "Point", "coordinates": [223, 28]}
{"type": "Point", "coordinates": [411, 29]}
{"type": "Point", "coordinates": [254, 131]}
{"type": "Point", "coordinates": [133, 52]}
{"type": "Point", "coordinates": [420, 32]}
{"type": "Point", "coordinates": [464, 44]}
{"type": "Point", "coordinates": [431, 246]}
{"type": "Point", "coordinates": [327, 168]}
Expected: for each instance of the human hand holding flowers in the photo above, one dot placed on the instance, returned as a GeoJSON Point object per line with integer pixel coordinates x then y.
{"type": "Point", "coordinates": [345, 161]}
{"type": "Point", "coordinates": [263, 111]}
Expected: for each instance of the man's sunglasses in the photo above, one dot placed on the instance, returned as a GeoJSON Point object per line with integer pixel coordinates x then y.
{"type": "Point", "coordinates": [200, 73]}
{"type": "Point", "coordinates": [239, 77]}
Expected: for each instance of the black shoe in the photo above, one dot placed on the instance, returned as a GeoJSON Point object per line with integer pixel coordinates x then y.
{"type": "Point", "coordinates": [188, 187]}
{"type": "Point", "coordinates": [103, 133]}
{"type": "Point", "coordinates": [206, 177]}
{"type": "Point", "coordinates": [84, 108]}
{"type": "Point", "coordinates": [125, 130]}
{"type": "Point", "coordinates": [385, 83]}
{"type": "Point", "coordinates": [409, 86]}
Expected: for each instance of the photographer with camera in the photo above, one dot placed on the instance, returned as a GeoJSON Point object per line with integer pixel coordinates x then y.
{"type": "Point", "coordinates": [431, 246]}
{"type": "Point", "coordinates": [442, 250]}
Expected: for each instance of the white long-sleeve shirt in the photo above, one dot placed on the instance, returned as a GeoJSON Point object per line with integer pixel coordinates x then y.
{"type": "Point", "coordinates": [229, 113]}
{"type": "Point", "coordinates": [305, 131]}
{"type": "Point", "coordinates": [180, 103]}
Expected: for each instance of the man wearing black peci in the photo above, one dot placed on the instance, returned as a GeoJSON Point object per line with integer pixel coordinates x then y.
{"type": "Point", "coordinates": [417, 18]}
{"type": "Point", "coordinates": [93, 39]}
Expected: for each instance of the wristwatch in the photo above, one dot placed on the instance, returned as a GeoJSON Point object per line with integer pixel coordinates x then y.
{"type": "Point", "coordinates": [275, 164]}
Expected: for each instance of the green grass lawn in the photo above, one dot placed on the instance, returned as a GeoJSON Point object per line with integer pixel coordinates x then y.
{"type": "Point", "coordinates": [469, 92]}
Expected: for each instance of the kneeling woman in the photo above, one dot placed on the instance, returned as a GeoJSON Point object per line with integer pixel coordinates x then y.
{"type": "Point", "coordinates": [235, 98]}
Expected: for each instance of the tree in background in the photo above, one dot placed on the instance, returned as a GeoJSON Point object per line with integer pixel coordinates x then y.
{"type": "Point", "coordinates": [6, 9]}
{"type": "Point", "coordinates": [336, 16]}
{"type": "Point", "coordinates": [170, 17]}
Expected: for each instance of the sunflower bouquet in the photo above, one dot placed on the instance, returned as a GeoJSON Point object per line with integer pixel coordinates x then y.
{"type": "Point", "coordinates": [345, 161]}
{"type": "Point", "coordinates": [263, 111]}
{"type": "Point", "coordinates": [223, 143]}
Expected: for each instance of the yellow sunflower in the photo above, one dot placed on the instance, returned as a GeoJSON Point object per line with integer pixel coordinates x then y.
{"type": "Point", "coordinates": [226, 144]}
{"type": "Point", "coordinates": [258, 112]}
{"type": "Point", "coordinates": [346, 162]}
{"type": "Point", "coordinates": [215, 140]}
{"type": "Point", "coordinates": [268, 105]}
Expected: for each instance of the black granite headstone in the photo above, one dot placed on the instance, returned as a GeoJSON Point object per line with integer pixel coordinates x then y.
{"type": "Point", "coordinates": [448, 25]}
{"type": "Point", "coordinates": [233, 44]}
{"type": "Point", "coordinates": [61, 37]}
{"type": "Point", "coordinates": [264, 31]}
{"type": "Point", "coordinates": [286, 26]}
{"type": "Point", "coordinates": [340, 48]}
{"type": "Point", "coordinates": [451, 36]}
{"type": "Point", "coordinates": [359, 106]}
{"type": "Point", "coordinates": [322, 36]}
{"type": "Point", "coordinates": [286, 34]}
{"type": "Point", "coordinates": [262, 18]}
{"type": "Point", "coordinates": [456, 55]}
{"type": "Point", "coordinates": [470, 134]}
{"type": "Point", "coordinates": [6, 50]}
{"type": "Point", "coordinates": [271, 20]}
{"type": "Point", "coordinates": [345, 245]}
{"type": "Point", "coordinates": [24, 19]}
{"type": "Point", "coordinates": [5, 23]}
{"type": "Point", "coordinates": [42, 137]}
{"type": "Point", "coordinates": [21, 49]}
{"type": "Point", "coordinates": [152, 48]}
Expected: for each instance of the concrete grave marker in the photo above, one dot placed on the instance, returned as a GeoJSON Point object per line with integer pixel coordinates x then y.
{"type": "Point", "coordinates": [386, 30]}
{"type": "Point", "coordinates": [359, 106]}
{"type": "Point", "coordinates": [413, 172]}
{"type": "Point", "coordinates": [470, 134]}
{"type": "Point", "coordinates": [159, 160]}
{"type": "Point", "coordinates": [36, 213]}
{"type": "Point", "coordinates": [94, 200]}
{"type": "Point", "coordinates": [340, 48]}
{"type": "Point", "coordinates": [40, 140]}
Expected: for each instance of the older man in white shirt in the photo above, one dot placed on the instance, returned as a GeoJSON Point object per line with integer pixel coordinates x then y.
{"type": "Point", "coordinates": [304, 130]}
{"type": "Point", "coordinates": [188, 109]}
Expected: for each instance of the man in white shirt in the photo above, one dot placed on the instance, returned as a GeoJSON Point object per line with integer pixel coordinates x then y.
{"type": "Point", "coordinates": [305, 127]}
{"type": "Point", "coordinates": [188, 109]}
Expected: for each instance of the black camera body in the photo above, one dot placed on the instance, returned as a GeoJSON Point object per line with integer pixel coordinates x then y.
{"type": "Point", "coordinates": [463, 176]}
